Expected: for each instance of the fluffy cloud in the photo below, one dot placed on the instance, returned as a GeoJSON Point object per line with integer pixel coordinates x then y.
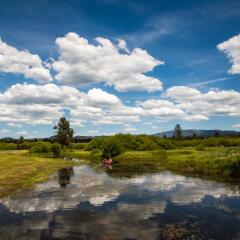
{"type": "Point", "coordinates": [123, 45]}
{"type": "Point", "coordinates": [101, 108]}
{"type": "Point", "coordinates": [23, 62]}
{"type": "Point", "coordinates": [44, 104]}
{"type": "Point", "coordinates": [5, 131]}
{"type": "Point", "coordinates": [100, 97]}
{"type": "Point", "coordinates": [22, 133]}
{"type": "Point", "coordinates": [231, 48]}
{"type": "Point", "coordinates": [160, 108]}
{"type": "Point", "coordinates": [106, 115]}
{"type": "Point", "coordinates": [236, 125]}
{"type": "Point", "coordinates": [81, 62]}
{"type": "Point", "coordinates": [190, 104]}
{"type": "Point", "coordinates": [29, 114]}
{"type": "Point", "coordinates": [182, 93]}
{"type": "Point", "coordinates": [36, 104]}
{"type": "Point", "coordinates": [40, 94]}
{"type": "Point", "coordinates": [214, 102]}
{"type": "Point", "coordinates": [164, 110]}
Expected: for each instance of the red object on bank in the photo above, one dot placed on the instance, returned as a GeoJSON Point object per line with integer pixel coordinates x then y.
{"type": "Point", "coordinates": [108, 161]}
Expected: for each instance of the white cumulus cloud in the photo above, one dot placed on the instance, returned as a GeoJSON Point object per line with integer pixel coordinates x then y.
{"type": "Point", "coordinates": [81, 62]}
{"type": "Point", "coordinates": [213, 102]}
{"type": "Point", "coordinates": [23, 62]}
{"type": "Point", "coordinates": [43, 104]}
{"type": "Point", "coordinates": [160, 108]}
{"type": "Point", "coordinates": [40, 94]}
{"type": "Point", "coordinates": [231, 48]}
{"type": "Point", "coordinates": [99, 97]}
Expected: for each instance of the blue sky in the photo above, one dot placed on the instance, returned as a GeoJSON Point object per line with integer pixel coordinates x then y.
{"type": "Point", "coordinates": [184, 35]}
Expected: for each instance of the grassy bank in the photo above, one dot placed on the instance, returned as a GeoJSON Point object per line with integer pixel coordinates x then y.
{"type": "Point", "coordinates": [88, 156]}
{"type": "Point", "coordinates": [212, 162]}
{"type": "Point", "coordinates": [19, 171]}
{"type": "Point", "coordinates": [215, 163]}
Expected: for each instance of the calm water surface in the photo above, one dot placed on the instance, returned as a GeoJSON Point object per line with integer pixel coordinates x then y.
{"type": "Point", "coordinates": [80, 203]}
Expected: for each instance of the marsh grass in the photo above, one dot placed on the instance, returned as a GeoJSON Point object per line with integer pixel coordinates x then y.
{"type": "Point", "coordinates": [19, 171]}
{"type": "Point", "coordinates": [214, 162]}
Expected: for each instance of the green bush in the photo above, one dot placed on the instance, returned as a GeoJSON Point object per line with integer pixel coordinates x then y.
{"type": "Point", "coordinates": [56, 148]}
{"type": "Point", "coordinates": [112, 147]}
{"type": "Point", "coordinates": [41, 147]}
{"type": "Point", "coordinates": [24, 145]}
{"type": "Point", "coordinates": [8, 146]}
{"type": "Point", "coordinates": [165, 143]}
{"type": "Point", "coordinates": [79, 145]}
{"type": "Point", "coordinates": [146, 142]}
{"type": "Point", "coordinates": [96, 143]}
{"type": "Point", "coordinates": [128, 141]}
{"type": "Point", "coordinates": [221, 142]}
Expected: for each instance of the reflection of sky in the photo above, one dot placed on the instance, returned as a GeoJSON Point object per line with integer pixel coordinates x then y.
{"type": "Point", "coordinates": [94, 204]}
{"type": "Point", "coordinates": [98, 188]}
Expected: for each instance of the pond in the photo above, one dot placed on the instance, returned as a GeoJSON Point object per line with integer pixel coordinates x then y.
{"type": "Point", "coordinates": [81, 203]}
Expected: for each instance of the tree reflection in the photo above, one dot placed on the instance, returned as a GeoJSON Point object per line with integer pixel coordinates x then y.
{"type": "Point", "coordinates": [64, 176]}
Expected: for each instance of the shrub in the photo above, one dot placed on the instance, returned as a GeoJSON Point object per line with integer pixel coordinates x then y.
{"type": "Point", "coordinates": [112, 147]}
{"type": "Point", "coordinates": [41, 147]}
{"type": "Point", "coordinates": [129, 141]}
{"type": "Point", "coordinates": [56, 149]}
{"type": "Point", "coordinates": [79, 145]}
{"type": "Point", "coordinates": [146, 142]}
{"type": "Point", "coordinates": [96, 143]}
{"type": "Point", "coordinates": [165, 143]}
{"type": "Point", "coordinates": [24, 145]}
{"type": "Point", "coordinates": [8, 146]}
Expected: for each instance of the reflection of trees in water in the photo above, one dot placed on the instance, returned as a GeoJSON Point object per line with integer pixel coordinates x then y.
{"type": "Point", "coordinates": [64, 176]}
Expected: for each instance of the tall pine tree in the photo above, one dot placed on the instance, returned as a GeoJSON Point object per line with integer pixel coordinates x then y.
{"type": "Point", "coordinates": [64, 133]}
{"type": "Point", "coordinates": [178, 131]}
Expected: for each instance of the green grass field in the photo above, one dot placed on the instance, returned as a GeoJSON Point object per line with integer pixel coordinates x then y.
{"type": "Point", "coordinates": [19, 171]}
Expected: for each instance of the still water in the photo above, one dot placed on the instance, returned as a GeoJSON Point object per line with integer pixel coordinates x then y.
{"type": "Point", "coordinates": [80, 203]}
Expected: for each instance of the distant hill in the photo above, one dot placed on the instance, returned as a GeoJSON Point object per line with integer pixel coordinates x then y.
{"type": "Point", "coordinates": [8, 139]}
{"type": "Point", "coordinates": [83, 138]}
{"type": "Point", "coordinates": [199, 133]}
{"type": "Point", "coordinates": [75, 138]}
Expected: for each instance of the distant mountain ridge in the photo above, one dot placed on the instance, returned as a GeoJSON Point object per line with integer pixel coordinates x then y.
{"type": "Point", "coordinates": [199, 133]}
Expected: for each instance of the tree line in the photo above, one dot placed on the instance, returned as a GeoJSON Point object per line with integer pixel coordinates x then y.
{"type": "Point", "coordinates": [111, 146]}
